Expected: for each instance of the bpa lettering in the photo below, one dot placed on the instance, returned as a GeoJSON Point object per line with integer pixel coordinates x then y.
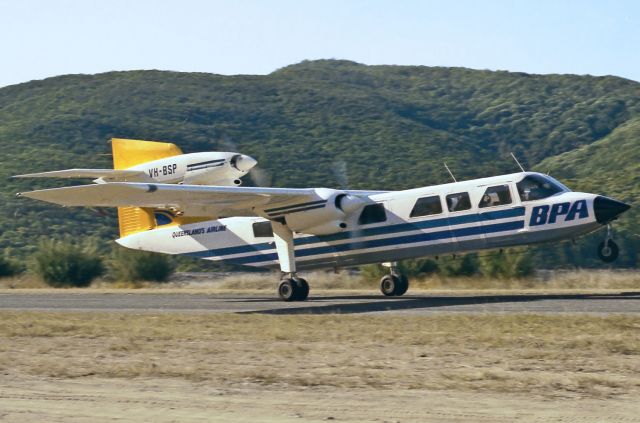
{"type": "Point", "coordinates": [541, 215]}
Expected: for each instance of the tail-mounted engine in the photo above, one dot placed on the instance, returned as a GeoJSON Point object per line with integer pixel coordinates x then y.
{"type": "Point", "coordinates": [324, 216]}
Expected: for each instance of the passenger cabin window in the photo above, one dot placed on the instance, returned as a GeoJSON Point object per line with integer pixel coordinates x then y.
{"type": "Point", "coordinates": [372, 213]}
{"type": "Point", "coordinates": [426, 206]}
{"type": "Point", "coordinates": [496, 196]}
{"type": "Point", "coordinates": [262, 230]}
{"type": "Point", "coordinates": [537, 187]}
{"type": "Point", "coordinates": [458, 202]}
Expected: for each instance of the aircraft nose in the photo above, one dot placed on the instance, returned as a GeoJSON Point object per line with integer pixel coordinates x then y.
{"type": "Point", "coordinates": [608, 209]}
{"type": "Point", "coordinates": [244, 163]}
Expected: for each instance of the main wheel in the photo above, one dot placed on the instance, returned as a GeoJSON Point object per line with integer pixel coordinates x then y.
{"type": "Point", "coordinates": [403, 285]}
{"type": "Point", "coordinates": [608, 251]}
{"type": "Point", "coordinates": [288, 290]}
{"type": "Point", "coordinates": [303, 289]}
{"type": "Point", "coordinates": [389, 285]}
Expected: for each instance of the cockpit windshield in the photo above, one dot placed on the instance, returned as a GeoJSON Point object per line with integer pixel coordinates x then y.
{"type": "Point", "coordinates": [537, 187]}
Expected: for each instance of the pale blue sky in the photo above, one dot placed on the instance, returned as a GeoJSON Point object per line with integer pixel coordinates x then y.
{"type": "Point", "coordinates": [42, 38]}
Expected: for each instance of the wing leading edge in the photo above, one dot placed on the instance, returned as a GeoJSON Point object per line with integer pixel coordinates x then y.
{"type": "Point", "coordinates": [195, 200]}
{"type": "Point", "coordinates": [107, 174]}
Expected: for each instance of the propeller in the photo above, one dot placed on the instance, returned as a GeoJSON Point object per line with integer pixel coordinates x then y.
{"type": "Point", "coordinates": [259, 176]}
{"type": "Point", "coordinates": [340, 171]}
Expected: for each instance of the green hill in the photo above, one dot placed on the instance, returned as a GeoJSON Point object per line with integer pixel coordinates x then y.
{"type": "Point", "coordinates": [393, 127]}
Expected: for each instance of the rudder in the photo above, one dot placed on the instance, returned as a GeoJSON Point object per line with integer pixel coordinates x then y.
{"type": "Point", "coordinates": [128, 153]}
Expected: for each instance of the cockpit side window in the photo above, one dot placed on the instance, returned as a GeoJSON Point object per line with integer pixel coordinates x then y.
{"type": "Point", "coordinates": [495, 196]}
{"type": "Point", "coordinates": [537, 187]}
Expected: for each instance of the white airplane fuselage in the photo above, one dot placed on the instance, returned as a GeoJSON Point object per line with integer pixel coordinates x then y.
{"type": "Point", "coordinates": [497, 213]}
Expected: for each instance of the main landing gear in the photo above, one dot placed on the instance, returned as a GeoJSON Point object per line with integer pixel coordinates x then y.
{"type": "Point", "coordinates": [393, 284]}
{"type": "Point", "coordinates": [293, 289]}
{"type": "Point", "coordinates": [608, 250]}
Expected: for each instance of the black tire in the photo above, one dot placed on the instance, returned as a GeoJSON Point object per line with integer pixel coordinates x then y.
{"type": "Point", "coordinates": [608, 253]}
{"type": "Point", "coordinates": [288, 290]}
{"type": "Point", "coordinates": [389, 285]}
{"type": "Point", "coordinates": [403, 286]}
{"type": "Point", "coordinates": [303, 289]}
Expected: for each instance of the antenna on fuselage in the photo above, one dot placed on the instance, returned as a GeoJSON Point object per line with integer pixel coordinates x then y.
{"type": "Point", "coordinates": [514, 158]}
{"type": "Point", "coordinates": [450, 173]}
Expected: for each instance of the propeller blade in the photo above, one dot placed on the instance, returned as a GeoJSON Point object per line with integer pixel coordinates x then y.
{"type": "Point", "coordinates": [260, 177]}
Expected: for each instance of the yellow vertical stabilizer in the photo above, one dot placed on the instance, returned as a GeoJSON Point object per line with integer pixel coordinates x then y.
{"type": "Point", "coordinates": [128, 153]}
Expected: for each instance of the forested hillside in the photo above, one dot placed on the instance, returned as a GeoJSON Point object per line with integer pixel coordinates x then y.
{"type": "Point", "coordinates": [390, 127]}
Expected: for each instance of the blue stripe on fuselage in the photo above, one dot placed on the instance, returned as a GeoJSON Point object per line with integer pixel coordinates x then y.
{"type": "Point", "coordinates": [378, 230]}
{"type": "Point", "coordinates": [386, 242]}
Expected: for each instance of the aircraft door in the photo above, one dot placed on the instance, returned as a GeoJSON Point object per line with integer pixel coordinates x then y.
{"type": "Point", "coordinates": [464, 227]}
{"type": "Point", "coordinates": [496, 210]}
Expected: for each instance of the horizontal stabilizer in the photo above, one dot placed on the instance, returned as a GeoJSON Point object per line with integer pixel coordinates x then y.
{"type": "Point", "coordinates": [107, 174]}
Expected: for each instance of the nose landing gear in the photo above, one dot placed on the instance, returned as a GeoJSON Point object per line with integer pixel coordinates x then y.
{"type": "Point", "coordinates": [608, 250]}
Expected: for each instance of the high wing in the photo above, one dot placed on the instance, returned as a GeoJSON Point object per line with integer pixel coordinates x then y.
{"type": "Point", "coordinates": [107, 174]}
{"type": "Point", "coordinates": [193, 200]}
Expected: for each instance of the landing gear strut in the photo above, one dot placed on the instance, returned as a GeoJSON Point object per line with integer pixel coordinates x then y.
{"type": "Point", "coordinates": [291, 287]}
{"type": "Point", "coordinates": [393, 284]}
{"type": "Point", "coordinates": [608, 250]}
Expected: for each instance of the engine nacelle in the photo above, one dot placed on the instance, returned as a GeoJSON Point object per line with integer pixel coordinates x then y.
{"type": "Point", "coordinates": [328, 215]}
{"type": "Point", "coordinates": [223, 169]}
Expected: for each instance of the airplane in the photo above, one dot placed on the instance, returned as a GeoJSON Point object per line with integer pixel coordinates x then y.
{"type": "Point", "coordinates": [293, 229]}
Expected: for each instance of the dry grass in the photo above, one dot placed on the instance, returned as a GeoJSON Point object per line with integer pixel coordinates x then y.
{"type": "Point", "coordinates": [549, 280]}
{"type": "Point", "coordinates": [349, 280]}
{"type": "Point", "coordinates": [568, 356]}
{"type": "Point", "coordinates": [24, 281]}
{"type": "Point", "coordinates": [319, 280]}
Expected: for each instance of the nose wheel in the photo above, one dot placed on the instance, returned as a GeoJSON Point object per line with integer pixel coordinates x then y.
{"type": "Point", "coordinates": [608, 250]}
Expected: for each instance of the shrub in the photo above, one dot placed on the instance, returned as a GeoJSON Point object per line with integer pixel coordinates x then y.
{"type": "Point", "coordinates": [465, 266]}
{"type": "Point", "coordinates": [64, 263]}
{"type": "Point", "coordinates": [8, 267]}
{"type": "Point", "coordinates": [132, 266]}
{"type": "Point", "coordinates": [514, 263]}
